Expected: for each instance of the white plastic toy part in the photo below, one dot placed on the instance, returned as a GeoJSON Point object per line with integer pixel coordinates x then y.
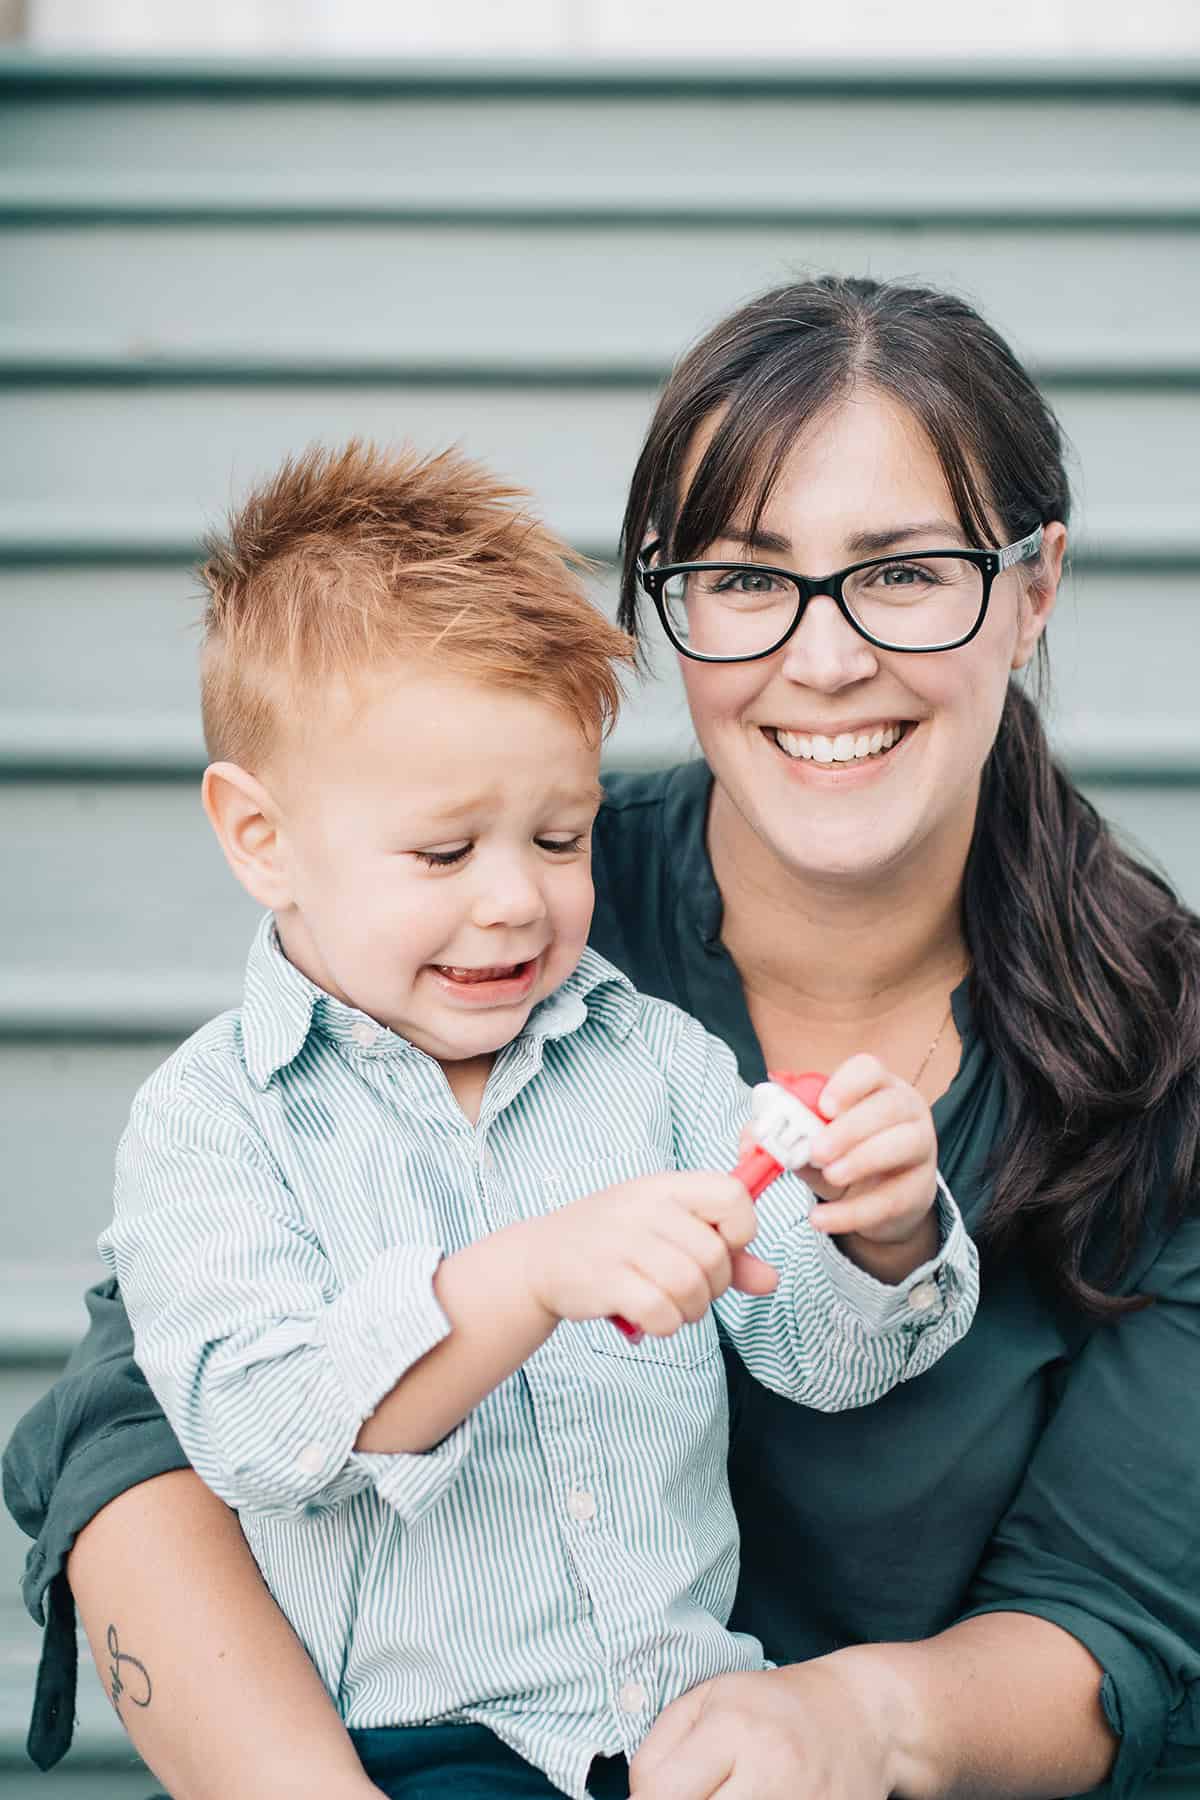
{"type": "Point", "coordinates": [783, 1125]}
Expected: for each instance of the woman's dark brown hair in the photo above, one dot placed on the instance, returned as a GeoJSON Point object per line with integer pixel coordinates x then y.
{"type": "Point", "coordinates": [1085, 967]}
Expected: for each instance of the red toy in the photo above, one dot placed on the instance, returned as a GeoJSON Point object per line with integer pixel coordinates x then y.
{"type": "Point", "coordinates": [785, 1113]}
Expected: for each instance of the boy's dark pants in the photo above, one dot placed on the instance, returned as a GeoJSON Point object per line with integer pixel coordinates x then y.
{"type": "Point", "coordinates": [425, 1762]}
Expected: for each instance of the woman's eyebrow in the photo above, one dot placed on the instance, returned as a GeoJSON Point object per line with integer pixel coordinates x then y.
{"type": "Point", "coordinates": [866, 543]}
{"type": "Point", "coordinates": [755, 540]}
{"type": "Point", "coordinates": [860, 543]}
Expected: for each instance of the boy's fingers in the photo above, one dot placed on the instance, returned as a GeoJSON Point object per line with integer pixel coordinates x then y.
{"type": "Point", "coordinates": [880, 1110]}
{"type": "Point", "coordinates": [852, 1081]}
{"type": "Point", "coordinates": [721, 1200]}
{"type": "Point", "coordinates": [675, 1274]}
{"type": "Point", "coordinates": [886, 1153]}
{"type": "Point", "coordinates": [751, 1275]}
{"type": "Point", "coordinates": [644, 1304]}
{"type": "Point", "coordinates": [703, 1243]}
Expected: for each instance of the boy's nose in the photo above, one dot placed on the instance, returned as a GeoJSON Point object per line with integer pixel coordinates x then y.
{"type": "Point", "coordinates": [508, 897]}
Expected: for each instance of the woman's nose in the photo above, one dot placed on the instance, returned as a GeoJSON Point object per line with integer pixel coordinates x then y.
{"type": "Point", "coordinates": [825, 651]}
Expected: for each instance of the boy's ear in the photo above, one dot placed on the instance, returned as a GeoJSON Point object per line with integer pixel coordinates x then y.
{"type": "Point", "coordinates": [246, 821]}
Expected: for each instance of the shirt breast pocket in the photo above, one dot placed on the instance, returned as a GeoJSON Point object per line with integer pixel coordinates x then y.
{"type": "Point", "coordinates": [686, 1348]}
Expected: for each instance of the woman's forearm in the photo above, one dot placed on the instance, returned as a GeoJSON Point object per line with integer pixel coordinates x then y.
{"type": "Point", "coordinates": [206, 1674]}
{"type": "Point", "coordinates": [1001, 1705]}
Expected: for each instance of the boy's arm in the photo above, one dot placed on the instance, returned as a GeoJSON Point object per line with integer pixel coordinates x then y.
{"type": "Point", "coordinates": [831, 1335]}
{"type": "Point", "coordinates": [285, 1389]}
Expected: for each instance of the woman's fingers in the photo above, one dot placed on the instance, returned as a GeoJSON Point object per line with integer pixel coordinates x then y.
{"type": "Point", "coordinates": [887, 1152]}
{"type": "Point", "coordinates": [899, 1204]}
{"type": "Point", "coordinates": [876, 1112]}
{"type": "Point", "coordinates": [851, 1082]}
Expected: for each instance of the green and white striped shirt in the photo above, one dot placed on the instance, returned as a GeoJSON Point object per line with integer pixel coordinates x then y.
{"type": "Point", "coordinates": [561, 1565]}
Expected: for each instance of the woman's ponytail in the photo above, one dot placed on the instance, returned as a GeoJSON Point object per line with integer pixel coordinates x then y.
{"type": "Point", "coordinates": [1086, 983]}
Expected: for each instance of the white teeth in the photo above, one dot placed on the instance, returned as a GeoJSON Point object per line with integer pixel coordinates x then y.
{"type": "Point", "coordinates": [845, 747]}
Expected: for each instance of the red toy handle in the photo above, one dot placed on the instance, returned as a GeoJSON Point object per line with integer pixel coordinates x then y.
{"type": "Point", "coordinates": [757, 1168]}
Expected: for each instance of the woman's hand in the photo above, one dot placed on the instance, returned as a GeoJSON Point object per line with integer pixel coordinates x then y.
{"type": "Point", "coordinates": [874, 1167]}
{"type": "Point", "coordinates": [813, 1731]}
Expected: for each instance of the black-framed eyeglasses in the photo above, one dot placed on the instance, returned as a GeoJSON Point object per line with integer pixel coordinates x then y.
{"type": "Point", "coordinates": [921, 601]}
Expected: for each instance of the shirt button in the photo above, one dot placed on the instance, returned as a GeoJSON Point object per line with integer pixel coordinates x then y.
{"type": "Point", "coordinates": [581, 1504]}
{"type": "Point", "coordinates": [924, 1298]}
{"type": "Point", "coordinates": [632, 1697]}
{"type": "Point", "coordinates": [311, 1460]}
{"type": "Point", "coordinates": [364, 1033]}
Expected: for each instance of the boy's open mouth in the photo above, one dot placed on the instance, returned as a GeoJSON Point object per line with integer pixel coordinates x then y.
{"type": "Point", "coordinates": [493, 972]}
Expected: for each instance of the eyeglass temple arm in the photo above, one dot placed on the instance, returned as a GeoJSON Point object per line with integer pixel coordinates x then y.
{"type": "Point", "coordinates": [1021, 551]}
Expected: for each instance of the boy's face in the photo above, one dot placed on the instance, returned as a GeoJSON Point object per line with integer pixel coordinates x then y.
{"type": "Point", "coordinates": [435, 835]}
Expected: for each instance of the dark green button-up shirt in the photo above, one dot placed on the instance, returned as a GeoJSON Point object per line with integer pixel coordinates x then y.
{"type": "Point", "coordinates": [1045, 1465]}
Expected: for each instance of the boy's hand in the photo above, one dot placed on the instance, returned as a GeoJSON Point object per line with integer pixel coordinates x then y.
{"type": "Point", "coordinates": [875, 1169]}
{"type": "Point", "coordinates": [657, 1251]}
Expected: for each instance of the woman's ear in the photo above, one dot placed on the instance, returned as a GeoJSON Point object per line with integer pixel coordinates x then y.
{"type": "Point", "coordinates": [1040, 593]}
{"type": "Point", "coordinates": [247, 823]}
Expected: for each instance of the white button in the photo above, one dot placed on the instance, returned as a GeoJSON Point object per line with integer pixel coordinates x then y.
{"type": "Point", "coordinates": [924, 1297]}
{"type": "Point", "coordinates": [632, 1697]}
{"type": "Point", "coordinates": [581, 1504]}
{"type": "Point", "coordinates": [488, 1161]}
{"type": "Point", "coordinates": [364, 1033]}
{"type": "Point", "coordinates": [311, 1459]}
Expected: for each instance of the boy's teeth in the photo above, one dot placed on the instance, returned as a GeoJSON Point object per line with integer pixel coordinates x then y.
{"type": "Point", "coordinates": [499, 972]}
{"type": "Point", "coordinates": [846, 747]}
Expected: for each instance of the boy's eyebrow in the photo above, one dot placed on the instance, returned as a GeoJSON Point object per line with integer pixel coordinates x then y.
{"type": "Point", "coordinates": [590, 796]}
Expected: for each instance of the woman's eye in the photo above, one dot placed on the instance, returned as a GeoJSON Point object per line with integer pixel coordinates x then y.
{"type": "Point", "coordinates": [746, 581]}
{"type": "Point", "coordinates": [905, 575]}
{"type": "Point", "coordinates": [561, 846]}
{"type": "Point", "coordinates": [443, 859]}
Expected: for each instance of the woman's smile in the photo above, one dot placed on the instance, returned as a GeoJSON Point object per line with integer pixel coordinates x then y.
{"type": "Point", "coordinates": [839, 745]}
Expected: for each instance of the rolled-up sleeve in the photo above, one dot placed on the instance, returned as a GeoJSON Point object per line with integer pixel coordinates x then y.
{"type": "Point", "coordinates": [264, 1362]}
{"type": "Point", "coordinates": [830, 1336]}
{"type": "Point", "coordinates": [1103, 1536]}
{"type": "Point", "coordinates": [96, 1433]}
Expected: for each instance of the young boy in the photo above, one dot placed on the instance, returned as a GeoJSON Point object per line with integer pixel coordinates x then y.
{"type": "Point", "coordinates": [371, 1227]}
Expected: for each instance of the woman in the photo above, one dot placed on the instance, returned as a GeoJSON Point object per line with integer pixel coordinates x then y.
{"type": "Point", "coordinates": [990, 1581]}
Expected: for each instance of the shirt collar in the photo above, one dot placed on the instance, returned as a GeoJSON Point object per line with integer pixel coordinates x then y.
{"type": "Point", "coordinates": [595, 989]}
{"type": "Point", "coordinates": [281, 1006]}
{"type": "Point", "coordinates": [277, 1007]}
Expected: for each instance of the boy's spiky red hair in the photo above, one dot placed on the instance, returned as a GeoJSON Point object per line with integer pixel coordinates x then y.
{"type": "Point", "coordinates": [347, 559]}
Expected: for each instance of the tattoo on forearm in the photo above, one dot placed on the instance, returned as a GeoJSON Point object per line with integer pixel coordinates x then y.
{"type": "Point", "coordinates": [134, 1684]}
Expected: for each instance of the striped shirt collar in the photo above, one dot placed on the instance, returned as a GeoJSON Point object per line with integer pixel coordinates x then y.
{"type": "Point", "coordinates": [281, 1007]}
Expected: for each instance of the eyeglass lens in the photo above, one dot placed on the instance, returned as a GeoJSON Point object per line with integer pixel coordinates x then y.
{"type": "Point", "coordinates": [911, 602]}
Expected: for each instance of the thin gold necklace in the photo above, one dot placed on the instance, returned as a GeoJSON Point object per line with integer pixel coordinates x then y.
{"type": "Point", "coordinates": [916, 1080]}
